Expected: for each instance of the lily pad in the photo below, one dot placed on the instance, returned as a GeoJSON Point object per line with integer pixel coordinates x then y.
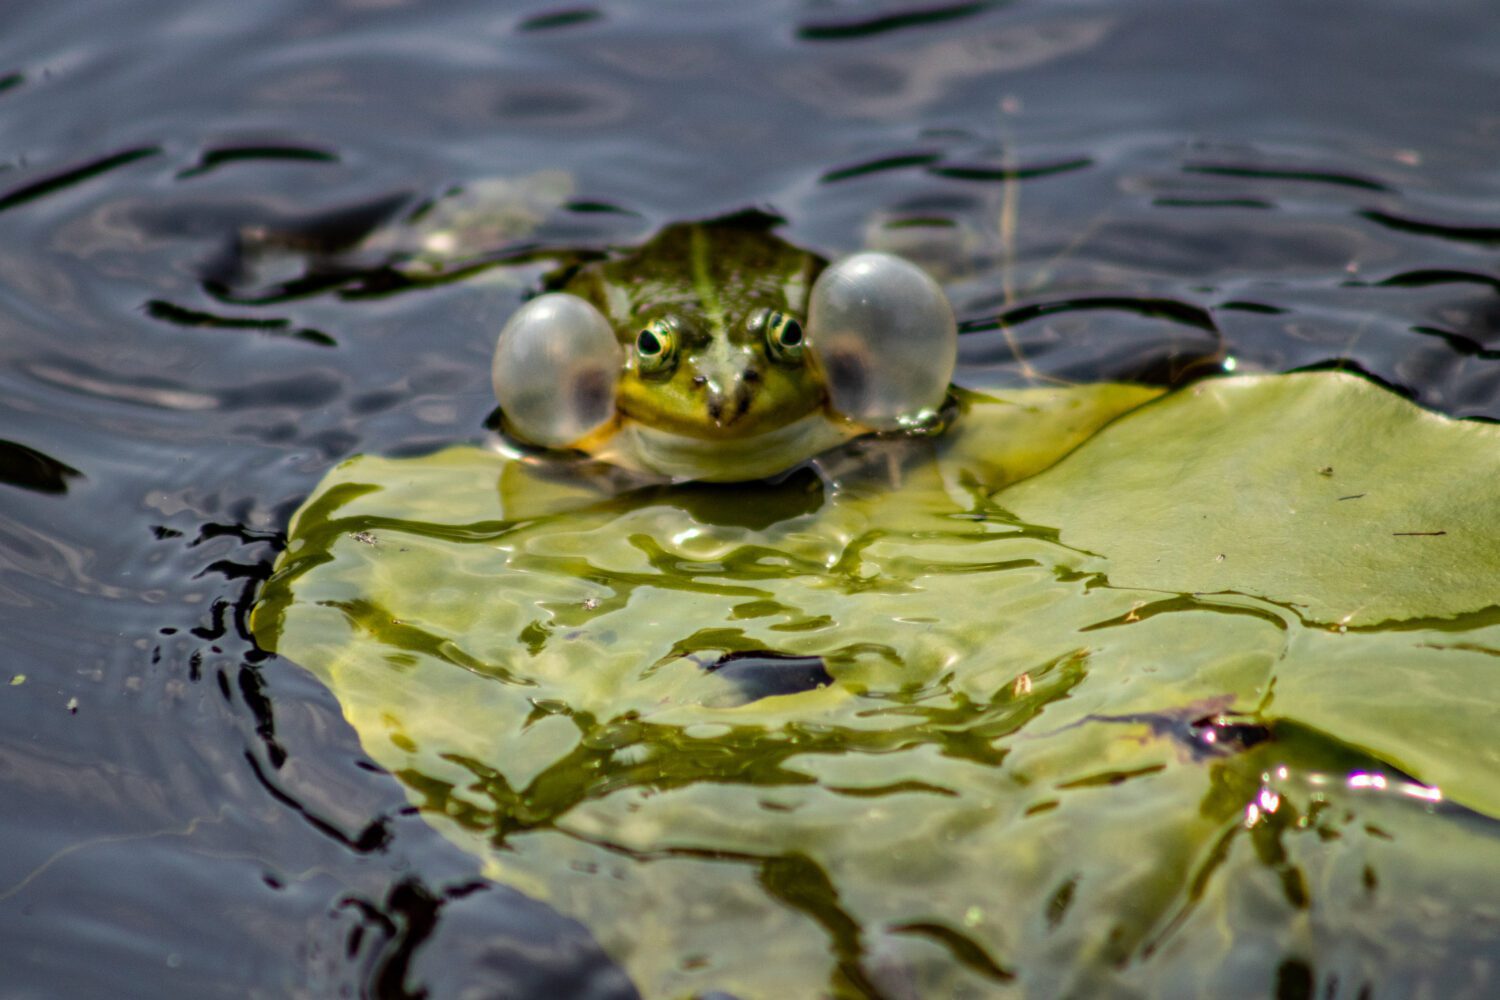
{"type": "Point", "coordinates": [1016, 763]}
{"type": "Point", "coordinates": [1347, 508]}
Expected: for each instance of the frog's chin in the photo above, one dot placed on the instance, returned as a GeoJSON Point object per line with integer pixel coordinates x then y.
{"type": "Point", "coordinates": [680, 458]}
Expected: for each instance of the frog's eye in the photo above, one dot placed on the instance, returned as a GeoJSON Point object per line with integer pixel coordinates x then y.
{"type": "Point", "coordinates": [557, 364]}
{"type": "Point", "coordinates": [784, 340]}
{"type": "Point", "coordinates": [656, 348]}
{"type": "Point", "coordinates": [883, 335]}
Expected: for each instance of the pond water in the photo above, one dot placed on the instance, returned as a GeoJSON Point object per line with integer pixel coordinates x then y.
{"type": "Point", "coordinates": [1140, 191]}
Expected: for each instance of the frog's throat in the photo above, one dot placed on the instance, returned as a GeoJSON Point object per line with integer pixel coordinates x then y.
{"type": "Point", "coordinates": [680, 457]}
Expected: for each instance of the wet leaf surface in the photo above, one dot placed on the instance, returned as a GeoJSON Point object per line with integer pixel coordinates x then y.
{"type": "Point", "coordinates": [1043, 758]}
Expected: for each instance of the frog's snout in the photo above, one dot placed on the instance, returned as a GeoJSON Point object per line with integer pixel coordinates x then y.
{"type": "Point", "coordinates": [728, 397]}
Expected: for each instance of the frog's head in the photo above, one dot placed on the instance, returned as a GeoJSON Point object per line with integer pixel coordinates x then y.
{"type": "Point", "coordinates": [721, 353]}
{"type": "Point", "coordinates": [727, 374]}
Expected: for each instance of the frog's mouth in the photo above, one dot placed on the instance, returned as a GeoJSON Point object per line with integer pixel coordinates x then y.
{"type": "Point", "coordinates": [680, 457]}
{"type": "Point", "coordinates": [721, 405]}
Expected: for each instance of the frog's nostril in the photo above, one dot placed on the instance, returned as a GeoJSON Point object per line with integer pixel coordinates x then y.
{"type": "Point", "coordinates": [699, 381]}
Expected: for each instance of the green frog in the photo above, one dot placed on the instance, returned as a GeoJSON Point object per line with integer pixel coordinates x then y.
{"type": "Point", "coordinates": [718, 351]}
{"type": "Point", "coordinates": [714, 351]}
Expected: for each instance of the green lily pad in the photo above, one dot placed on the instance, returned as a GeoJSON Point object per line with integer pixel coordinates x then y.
{"type": "Point", "coordinates": [1034, 766]}
{"type": "Point", "coordinates": [1344, 505]}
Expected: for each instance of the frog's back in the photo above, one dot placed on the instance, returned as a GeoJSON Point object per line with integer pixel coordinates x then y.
{"type": "Point", "coordinates": [704, 273]}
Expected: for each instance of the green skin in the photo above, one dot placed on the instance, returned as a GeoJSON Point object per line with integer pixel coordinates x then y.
{"type": "Point", "coordinates": [715, 282]}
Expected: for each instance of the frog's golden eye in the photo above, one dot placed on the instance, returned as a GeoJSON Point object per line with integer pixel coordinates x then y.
{"type": "Point", "coordinates": [784, 338]}
{"type": "Point", "coordinates": [656, 348]}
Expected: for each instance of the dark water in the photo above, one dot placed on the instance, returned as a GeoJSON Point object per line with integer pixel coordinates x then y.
{"type": "Point", "coordinates": [1284, 184]}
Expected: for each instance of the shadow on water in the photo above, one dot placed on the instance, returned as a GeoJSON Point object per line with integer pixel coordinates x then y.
{"type": "Point", "coordinates": [31, 470]}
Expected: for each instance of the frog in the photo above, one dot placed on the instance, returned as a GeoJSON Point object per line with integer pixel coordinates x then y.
{"type": "Point", "coordinates": [714, 350]}
{"type": "Point", "coordinates": [717, 351]}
